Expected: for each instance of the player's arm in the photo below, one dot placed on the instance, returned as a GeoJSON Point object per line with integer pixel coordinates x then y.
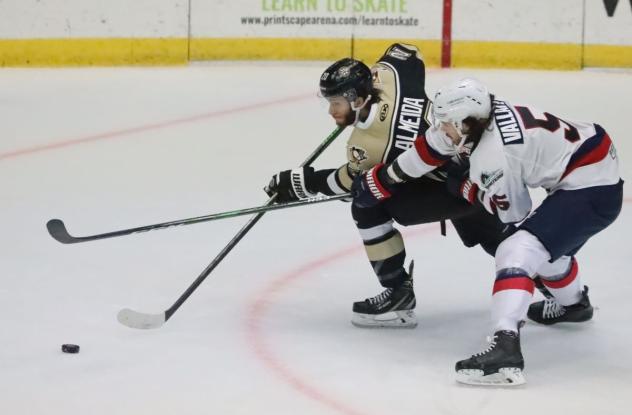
{"type": "Point", "coordinates": [508, 198]}
{"type": "Point", "coordinates": [305, 182]}
{"type": "Point", "coordinates": [340, 180]}
{"type": "Point", "coordinates": [401, 52]}
{"type": "Point", "coordinates": [378, 183]}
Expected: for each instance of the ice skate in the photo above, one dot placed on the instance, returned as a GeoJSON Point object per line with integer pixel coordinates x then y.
{"type": "Point", "coordinates": [550, 311]}
{"type": "Point", "coordinates": [391, 308]}
{"type": "Point", "coordinates": [500, 365]}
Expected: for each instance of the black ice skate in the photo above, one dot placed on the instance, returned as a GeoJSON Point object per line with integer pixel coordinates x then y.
{"type": "Point", "coordinates": [550, 311]}
{"type": "Point", "coordinates": [391, 308]}
{"type": "Point", "coordinates": [500, 365]}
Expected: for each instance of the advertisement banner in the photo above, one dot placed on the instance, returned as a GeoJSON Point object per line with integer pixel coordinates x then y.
{"type": "Point", "coordinates": [375, 19]}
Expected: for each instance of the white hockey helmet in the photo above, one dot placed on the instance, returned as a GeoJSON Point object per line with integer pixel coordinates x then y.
{"type": "Point", "coordinates": [460, 100]}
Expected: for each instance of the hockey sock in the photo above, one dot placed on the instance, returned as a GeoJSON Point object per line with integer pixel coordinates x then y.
{"type": "Point", "coordinates": [512, 294]}
{"type": "Point", "coordinates": [387, 254]}
{"type": "Point", "coordinates": [565, 286]}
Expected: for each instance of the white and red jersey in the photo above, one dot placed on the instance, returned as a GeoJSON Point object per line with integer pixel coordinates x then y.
{"type": "Point", "coordinates": [523, 148]}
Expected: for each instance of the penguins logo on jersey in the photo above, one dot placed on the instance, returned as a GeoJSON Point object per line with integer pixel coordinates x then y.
{"type": "Point", "coordinates": [358, 154]}
{"type": "Point", "coordinates": [383, 112]}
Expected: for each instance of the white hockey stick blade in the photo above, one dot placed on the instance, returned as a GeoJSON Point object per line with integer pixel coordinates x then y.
{"type": "Point", "coordinates": [136, 320]}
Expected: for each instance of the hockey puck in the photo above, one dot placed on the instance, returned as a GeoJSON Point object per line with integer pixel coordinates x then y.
{"type": "Point", "coordinates": [70, 348]}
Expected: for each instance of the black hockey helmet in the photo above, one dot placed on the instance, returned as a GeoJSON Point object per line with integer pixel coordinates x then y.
{"type": "Point", "coordinates": [348, 78]}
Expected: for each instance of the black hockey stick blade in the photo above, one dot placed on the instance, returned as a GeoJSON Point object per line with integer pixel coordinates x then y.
{"type": "Point", "coordinates": [57, 229]}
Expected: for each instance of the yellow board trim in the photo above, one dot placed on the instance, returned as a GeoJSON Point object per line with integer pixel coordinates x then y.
{"type": "Point", "coordinates": [179, 51]}
{"type": "Point", "coordinates": [87, 52]}
{"type": "Point", "coordinates": [523, 55]}
{"type": "Point", "coordinates": [368, 50]}
{"type": "Point", "coordinates": [608, 56]}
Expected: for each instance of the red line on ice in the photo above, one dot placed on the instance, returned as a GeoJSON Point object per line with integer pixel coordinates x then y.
{"type": "Point", "coordinates": [264, 351]}
{"type": "Point", "coordinates": [148, 127]}
{"type": "Point", "coordinates": [266, 297]}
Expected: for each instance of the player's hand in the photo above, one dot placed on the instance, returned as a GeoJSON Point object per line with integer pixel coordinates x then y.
{"type": "Point", "coordinates": [459, 183]}
{"type": "Point", "coordinates": [291, 185]}
{"type": "Point", "coordinates": [370, 188]}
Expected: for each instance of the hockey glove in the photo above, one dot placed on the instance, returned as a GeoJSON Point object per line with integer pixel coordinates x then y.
{"type": "Point", "coordinates": [371, 187]}
{"type": "Point", "coordinates": [459, 183]}
{"type": "Point", "coordinates": [292, 185]}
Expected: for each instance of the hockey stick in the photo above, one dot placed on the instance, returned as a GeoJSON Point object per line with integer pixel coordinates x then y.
{"type": "Point", "coordinates": [542, 288]}
{"type": "Point", "coordinates": [138, 320]}
{"type": "Point", "coordinates": [57, 228]}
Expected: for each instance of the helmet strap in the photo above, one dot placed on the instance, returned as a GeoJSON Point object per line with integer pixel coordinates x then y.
{"type": "Point", "coordinates": [358, 109]}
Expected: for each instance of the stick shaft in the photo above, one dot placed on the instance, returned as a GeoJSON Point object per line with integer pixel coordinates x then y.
{"type": "Point", "coordinates": [243, 231]}
{"type": "Point", "coordinates": [57, 228]}
{"type": "Point", "coordinates": [137, 320]}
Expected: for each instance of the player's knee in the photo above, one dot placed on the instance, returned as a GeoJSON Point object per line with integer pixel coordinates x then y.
{"type": "Point", "coordinates": [521, 250]}
{"type": "Point", "coordinates": [556, 269]}
{"type": "Point", "coordinates": [368, 217]}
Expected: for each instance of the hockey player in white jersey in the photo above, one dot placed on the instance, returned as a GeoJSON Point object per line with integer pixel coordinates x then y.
{"type": "Point", "coordinates": [513, 148]}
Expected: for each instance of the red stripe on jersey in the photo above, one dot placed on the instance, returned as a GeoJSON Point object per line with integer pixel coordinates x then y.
{"type": "Point", "coordinates": [595, 155]}
{"type": "Point", "coordinates": [519, 282]}
{"type": "Point", "coordinates": [568, 278]}
{"type": "Point", "coordinates": [427, 154]}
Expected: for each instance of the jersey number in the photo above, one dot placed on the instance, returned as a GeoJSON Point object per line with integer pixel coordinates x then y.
{"type": "Point", "coordinates": [550, 123]}
{"type": "Point", "coordinates": [500, 202]}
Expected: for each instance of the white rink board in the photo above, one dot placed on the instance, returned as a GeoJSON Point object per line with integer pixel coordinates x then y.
{"type": "Point", "coordinates": [558, 21]}
{"type": "Point", "coordinates": [602, 29]}
{"type": "Point", "coordinates": [37, 19]}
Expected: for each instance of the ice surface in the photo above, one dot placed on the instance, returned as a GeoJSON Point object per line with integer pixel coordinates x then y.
{"type": "Point", "coordinates": [269, 331]}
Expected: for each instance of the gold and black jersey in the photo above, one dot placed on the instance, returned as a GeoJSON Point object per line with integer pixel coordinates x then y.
{"type": "Point", "coordinates": [395, 121]}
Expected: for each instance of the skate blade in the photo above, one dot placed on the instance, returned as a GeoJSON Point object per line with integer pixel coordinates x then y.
{"type": "Point", "coordinates": [393, 319]}
{"type": "Point", "coordinates": [506, 376]}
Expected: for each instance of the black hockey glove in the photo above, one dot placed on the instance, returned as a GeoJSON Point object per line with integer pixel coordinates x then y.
{"type": "Point", "coordinates": [292, 185]}
{"type": "Point", "coordinates": [459, 183]}
{"type": "Point", "coordinates": [372, 187]}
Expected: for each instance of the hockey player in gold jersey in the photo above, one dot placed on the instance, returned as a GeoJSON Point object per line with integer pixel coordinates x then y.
{"type": "Point", "coordinates": [388, 108]}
